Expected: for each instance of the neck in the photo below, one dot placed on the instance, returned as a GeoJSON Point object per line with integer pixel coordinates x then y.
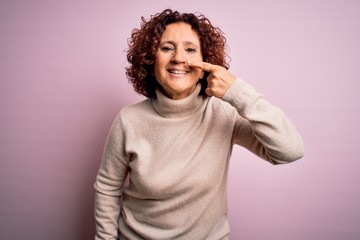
{"type": "Point", "coordinates": [171, 108]}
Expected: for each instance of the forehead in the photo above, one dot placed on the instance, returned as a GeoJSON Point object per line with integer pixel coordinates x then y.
{"type": "Point", "coordinates": [180, 32]}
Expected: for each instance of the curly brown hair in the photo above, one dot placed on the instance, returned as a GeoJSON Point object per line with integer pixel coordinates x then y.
{"type": "Point", "coordinates": [144, 42]}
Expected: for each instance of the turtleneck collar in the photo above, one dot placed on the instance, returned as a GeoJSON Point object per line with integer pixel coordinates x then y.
{"type": "Point", "coordinates": [170, 108]}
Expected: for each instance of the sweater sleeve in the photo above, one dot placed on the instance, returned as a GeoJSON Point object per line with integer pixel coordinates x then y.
{"type": "Point", "coordinates": [109, 183]}
{"type": "Point", "coordinates": [261, 127]}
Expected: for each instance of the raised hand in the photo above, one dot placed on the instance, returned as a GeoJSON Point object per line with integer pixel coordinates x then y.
{"type": "Point", "coordinates": [219, 79]}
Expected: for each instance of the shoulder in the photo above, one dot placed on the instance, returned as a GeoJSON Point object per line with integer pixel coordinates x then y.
{"type": "Point", "coordinates": [137, 108]}
{"type": "Point", "coordinates": [134, 112]}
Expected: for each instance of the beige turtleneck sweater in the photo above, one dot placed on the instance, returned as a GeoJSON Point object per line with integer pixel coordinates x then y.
{"type": "Point", "coordinates": [176, 156]}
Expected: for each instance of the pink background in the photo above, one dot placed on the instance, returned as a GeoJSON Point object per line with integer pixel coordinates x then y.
{"type": "Point", "coordinates": [62, 82]}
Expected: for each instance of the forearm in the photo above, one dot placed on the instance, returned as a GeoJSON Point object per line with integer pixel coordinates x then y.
{"type": "Point", "coordinates": [270, 134]}
{"type": "Point", "coordinates": [108, 192]}
{"type": "Point", "coordinates": [107, 211]}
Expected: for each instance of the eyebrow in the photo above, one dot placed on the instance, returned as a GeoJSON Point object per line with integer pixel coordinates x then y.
{"type": "Point", "coordinates": [185, 43]}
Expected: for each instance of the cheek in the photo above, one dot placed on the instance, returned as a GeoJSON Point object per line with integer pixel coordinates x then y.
{"type": "Point", "coordinates": [160, 63]}
{"type": "Point", "coordinates": [199, 73]}
{"type": "Point", "coordinates": [196, 57]}
{"type": "Point", "coordinates": [202, 74]}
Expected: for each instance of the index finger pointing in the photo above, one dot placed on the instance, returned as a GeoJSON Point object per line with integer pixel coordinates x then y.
{"type": "Point", "coordinates": [208, 67]}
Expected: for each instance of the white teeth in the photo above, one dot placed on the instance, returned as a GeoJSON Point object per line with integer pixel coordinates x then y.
{"type": "Point", "coordinates": [178, 71]}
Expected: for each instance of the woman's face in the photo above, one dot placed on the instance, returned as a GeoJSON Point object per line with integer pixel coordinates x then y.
{"type": "Point", "coordinates": [178, 44]}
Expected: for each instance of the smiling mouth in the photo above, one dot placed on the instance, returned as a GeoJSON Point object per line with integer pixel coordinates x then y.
{"type": "Point", "coordinates": [176, 71]}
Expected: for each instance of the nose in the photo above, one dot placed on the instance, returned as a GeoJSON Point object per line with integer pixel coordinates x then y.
{"type": "Point", "coordinates": [179, 56]}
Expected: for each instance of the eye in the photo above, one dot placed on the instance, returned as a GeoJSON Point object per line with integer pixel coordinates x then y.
{"type": "Point", "coordinates": [190, 50]}
{"type": "Point", "coordinates": [166, 49]}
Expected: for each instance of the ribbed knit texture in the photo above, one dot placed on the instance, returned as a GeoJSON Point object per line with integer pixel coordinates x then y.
{"type": "Point", "coordinates": [176, 154]}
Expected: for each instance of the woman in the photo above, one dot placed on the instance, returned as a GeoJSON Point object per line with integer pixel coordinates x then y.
{"type": "Point", "coordinates": [175, 147]}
